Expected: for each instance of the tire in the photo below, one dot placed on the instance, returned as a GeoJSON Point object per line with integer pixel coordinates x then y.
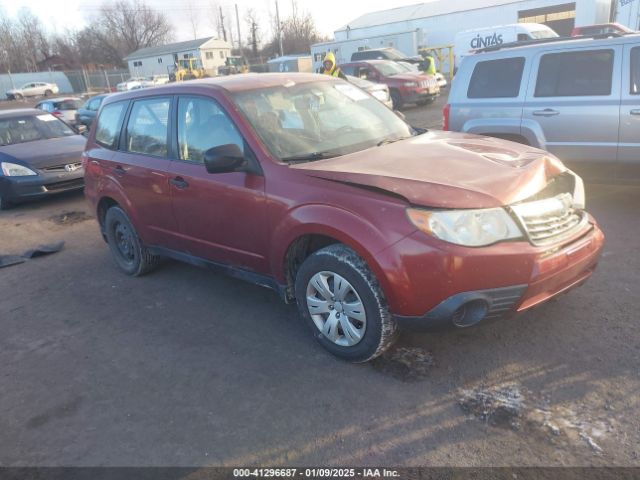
{"type": "Point", "coordinates": [18, 96]}
{"type": "Point", "coordinates": [4, 204]}
{"type": "Point", "coordinates": [48, 93]}
{"type": "Point", "coordinates": [396, 99]}
{"type": "Point", "coordinates": [359, 305]}
{"type": "Point", "coordinates": [128, 252]}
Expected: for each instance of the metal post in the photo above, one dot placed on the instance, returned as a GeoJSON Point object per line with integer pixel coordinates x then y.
{"type": "Point", "coordinates": [279, 28]}
{"type": "Point", "coordinates": [85, 77]}
{"type": "Point", "coordinates": [106, 77]}
{"type": "Point", "coordinates": [13, 86]}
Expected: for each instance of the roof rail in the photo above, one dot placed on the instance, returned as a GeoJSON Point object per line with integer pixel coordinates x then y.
{"type": "Point", "coordinates": [538, 41]}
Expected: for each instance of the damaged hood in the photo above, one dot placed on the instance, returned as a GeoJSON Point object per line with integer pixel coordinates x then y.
{"type": "Point", "coordinates": [445, 170]}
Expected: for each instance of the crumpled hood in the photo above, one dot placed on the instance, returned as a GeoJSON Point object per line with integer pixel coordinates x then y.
{"type": "Point", "coordinates": [45, 153]}
{"type": "Point", "coordinates": [445, 170]}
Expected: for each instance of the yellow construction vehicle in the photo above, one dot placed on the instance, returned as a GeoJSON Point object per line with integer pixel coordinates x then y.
{"type": "Point", "coordinates": [234, 64]}
{"type": "Point", "coordinates": [187, 69]}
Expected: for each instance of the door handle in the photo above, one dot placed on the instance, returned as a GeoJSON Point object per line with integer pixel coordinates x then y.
{"type": "Point", "coordinates": [179, 182]}
{"type": "Point", "coordinates": [118, 170]}
{"type": "Point", "coordinates": [635, 111]}
{"type": "Point", "coordinates": [547, 112]}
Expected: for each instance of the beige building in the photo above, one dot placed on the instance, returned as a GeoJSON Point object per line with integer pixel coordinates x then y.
{"type": "Point", "coordinates": [211, 53]}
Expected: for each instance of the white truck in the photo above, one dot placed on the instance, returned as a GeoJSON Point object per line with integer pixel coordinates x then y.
{"type": "Point", "coordinates": [468, 41]}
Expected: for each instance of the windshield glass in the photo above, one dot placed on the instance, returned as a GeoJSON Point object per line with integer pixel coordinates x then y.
{"type": "Point", "coordinates": [67, 105]}
{"type": "Point", "coordinates": [543, 34]}
{"type": "Point", "coordinates": [310, 121]}
{"type": "Point", "coordinates": [393, 54]}
{"type": "Point", "coordinates": [31, 128]}
{"type": "Point", "coordinates": [390, 68]}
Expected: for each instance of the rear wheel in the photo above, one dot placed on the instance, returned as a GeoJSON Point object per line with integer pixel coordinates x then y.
{"type": "Point", "coordinates": [340, 299]}
{"type": "Point", "coordinates": [18, 96]}
{"type": "Point", "coordinates": [130, 255]}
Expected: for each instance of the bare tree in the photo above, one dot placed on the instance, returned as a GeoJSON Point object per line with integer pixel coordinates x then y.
{"type": "Point", "coordinates": [251, 18]}
{"type": "Point", "coordinates": [299, 32]}
{"type": "Point", "coordinates": [193, 19]}
{"type": "Point", "coordinates": [124, 27]}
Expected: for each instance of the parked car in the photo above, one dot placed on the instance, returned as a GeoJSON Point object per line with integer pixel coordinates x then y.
{"type": "Point", "coordinates": [134, 83]}
{"type": "Point", "coordinates": [33, 89]}
{"type": "Point", "coordinates": [377, 90]}
{"type": "Point", "coordinates": [577, 98]}
{"type": "Point", "coordinates": [87, 112]}
{"type": "Point", "coordinates": [601, 29]}
{"type": "Point", "coordinates": [39, 156]}
{"type": "Point", "coordinates": [64, 108]}
{"type": "Point", "coordinates": [387, 53]}
{"type": "Point", "coordinates": [363, 221]}
{"type": "Point", "coordinates": [439, 77]}
{"type": "Point", "coordinates": [405, 87]}
{"type": "Point", "coordinates": [158, 79]}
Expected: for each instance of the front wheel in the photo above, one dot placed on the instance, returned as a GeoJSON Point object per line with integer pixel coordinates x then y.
{"type": "Point", "coordinates": [130, 255]}
{"type": "Point", "coordinates": [4, 204]}
{"type": "Point", "coordinates": [342, 302]}
{"type": "Point", "coordinates": [48, 93]}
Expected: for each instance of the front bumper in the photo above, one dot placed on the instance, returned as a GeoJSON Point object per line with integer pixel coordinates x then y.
{"type": "Point", "coordinates": [419, 94]}
{"type": "Point", "coordinates": [491, 282]}
{"type": "Point", "coordinates": [16, 189]}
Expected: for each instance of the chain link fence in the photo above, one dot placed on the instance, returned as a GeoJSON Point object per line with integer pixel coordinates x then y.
{"type": "Point", "coordinates": [74, 81]}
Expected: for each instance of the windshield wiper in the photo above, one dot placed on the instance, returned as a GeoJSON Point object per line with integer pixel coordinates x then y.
{"type": "Point", "coordinates": [309, 158]}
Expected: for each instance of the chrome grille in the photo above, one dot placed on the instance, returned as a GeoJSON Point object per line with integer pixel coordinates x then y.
{"type": "Point", "coordinates": [61, 168]}
{"type": "Point", "coordinates": [550, 220]}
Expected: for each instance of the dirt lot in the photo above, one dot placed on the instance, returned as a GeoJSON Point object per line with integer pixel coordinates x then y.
{"type": "Point", "coordinates": [185, 367]}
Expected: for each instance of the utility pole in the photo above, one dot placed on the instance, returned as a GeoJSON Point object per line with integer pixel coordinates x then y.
{"type": "Point", "coordinates": [279, 28]}
{"type": "Point", "coordinates": [224, 31]}
{"type": "Point", "coordinates": [239, 34]}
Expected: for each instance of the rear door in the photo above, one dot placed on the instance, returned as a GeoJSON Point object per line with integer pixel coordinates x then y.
{"type": "Point", "coordinates": [141, 168]}
{"type": "Point", "coordinates": [629, 146]}
{"type": "Point", "coordinates": [222, 216]}
{"type": "Point", "coordinates": [573, 106]}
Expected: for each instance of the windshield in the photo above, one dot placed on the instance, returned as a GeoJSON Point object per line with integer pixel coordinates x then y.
{"type": "Point", "coordinates": [543, 34]}
{"type": "Point", "coordinates": [31, 128]}
{"type": "Point", "coordinates": [390, 68]}
{"type": "Point", "coordinates": [311, 121]}
{"type": "Point", "coordinates": [393, 54]}
{"type": "Point", "coordinates": [67, 105]}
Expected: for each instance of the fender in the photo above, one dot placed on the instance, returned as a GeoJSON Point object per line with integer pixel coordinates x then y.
{"type": "Point", "coordinates": [532, 131]}
{"type": "Point", "coordinates": [109, 187]}
{"type": "Point", "coordinates": [493, 126]}
{"type": "Point", "coordinates": [343, 225]}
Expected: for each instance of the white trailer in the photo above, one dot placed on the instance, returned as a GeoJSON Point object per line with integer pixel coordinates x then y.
{"type": "Point", "coordinates": [408, 42]}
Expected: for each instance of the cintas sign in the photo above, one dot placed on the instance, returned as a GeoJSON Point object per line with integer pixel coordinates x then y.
{"type": "Point", "coordinates": [487, 41]}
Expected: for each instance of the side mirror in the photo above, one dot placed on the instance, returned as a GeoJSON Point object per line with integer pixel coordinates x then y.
{"type": "Point", "coordinates": [224, 159]}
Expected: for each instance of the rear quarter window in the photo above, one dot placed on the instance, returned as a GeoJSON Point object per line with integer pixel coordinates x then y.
{"type": "Point", "coordinates": [496, 78]}
{"type": "Point", "coordinates": [109, 124]}
{"type": "Point", "coordinates": [575, 74]}
{"type": "Point", "coordinates": [635, 71]}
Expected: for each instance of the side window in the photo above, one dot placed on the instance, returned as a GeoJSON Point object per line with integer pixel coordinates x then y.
{"type": "Point", "coordinates": [348, 70]}
{"type": "Point", "coordinates": [575, 74]}
{"type": "Point", "coordinates": [635, 71]}
{"type": "Point", "coordinates": [147, 128]}
{"type": "Point", "coordinates": [202, 125]}
{"type": "Point", "coordinates": [364, 73]}
{"type": "Point", "coordinates": [94, 104]}
{"type": "Point", "coordinates": [108, 125]}
{"type": "Point", "coordinates": [496, 78]}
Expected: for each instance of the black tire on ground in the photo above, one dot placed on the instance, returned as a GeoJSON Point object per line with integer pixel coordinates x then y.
{"type": "Point", "coordinates": [128, 251]}
{"type": "Point", "coordinates": [381, 330]}
{"type": "Point", "coordinates": [396, 99]}
{"type": "Point", "coordinates": [48, 93]}
{"type": "Point", "coordinates": [4, 204]}
{"type": "Point", "coordinates": [18, 96]}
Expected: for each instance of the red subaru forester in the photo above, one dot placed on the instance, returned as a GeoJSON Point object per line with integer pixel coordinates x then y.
{"type": "Point", "coordinates": [308, 185]}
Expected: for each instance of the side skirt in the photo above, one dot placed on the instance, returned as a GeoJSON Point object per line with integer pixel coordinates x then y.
{"type": "Point", "coordinates": [235, 272]}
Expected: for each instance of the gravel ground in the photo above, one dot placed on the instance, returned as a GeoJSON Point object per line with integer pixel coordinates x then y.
{"type": "Point", "coordinates": [184, 367]}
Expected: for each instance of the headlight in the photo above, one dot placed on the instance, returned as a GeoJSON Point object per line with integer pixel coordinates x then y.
{"type": "Point", "coordinates": [471, 228]}
{"type": "Point", "coordinates": [410, 84]}
{"type": "Point", "coordinates": [15, 170]}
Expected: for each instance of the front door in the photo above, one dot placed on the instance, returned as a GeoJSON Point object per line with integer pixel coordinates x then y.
{"type": "Point", "coordinates": [574, 106]}
{"type": "Point", "coordinates": [222, 217]}
{"type": "Point", "coordinates": [629, 146]}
